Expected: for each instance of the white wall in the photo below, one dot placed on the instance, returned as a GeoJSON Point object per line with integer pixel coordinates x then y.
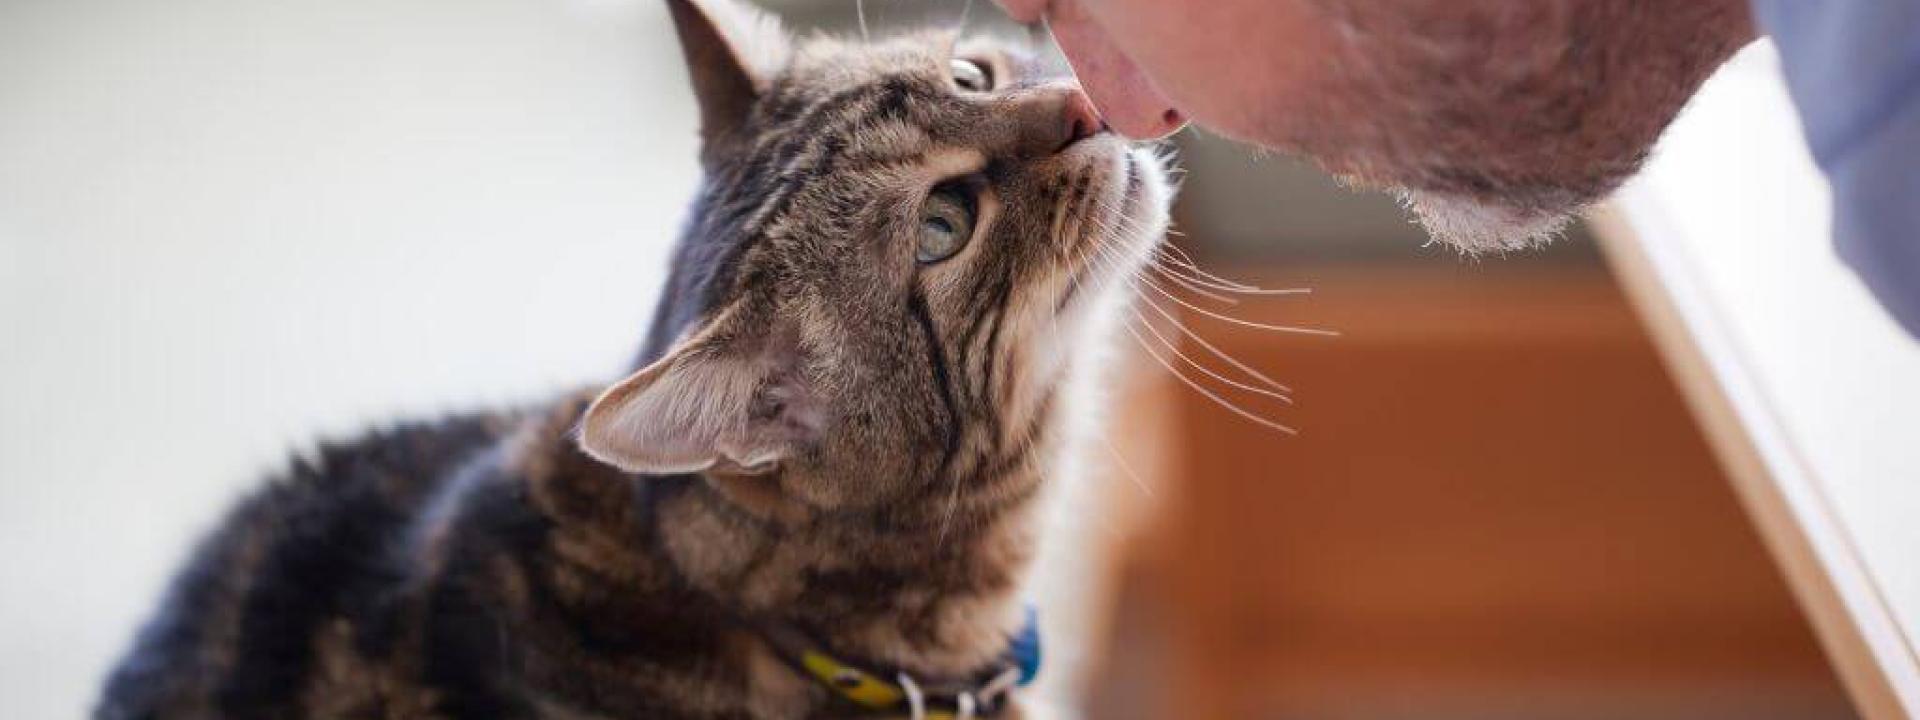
{"type": "Point", "coordinates": [228, 224]}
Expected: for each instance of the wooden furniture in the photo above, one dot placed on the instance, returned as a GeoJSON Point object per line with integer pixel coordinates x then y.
{"type": "Point", "coordinates": [1497, 507]}
{"type": "Point", "coordinates": [1809, 393]}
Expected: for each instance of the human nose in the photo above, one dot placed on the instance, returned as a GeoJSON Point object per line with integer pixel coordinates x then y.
{"type": "Point", "coordinates": [1124, 95]}
{"type": "Point", "coordinates": [1025, 11]}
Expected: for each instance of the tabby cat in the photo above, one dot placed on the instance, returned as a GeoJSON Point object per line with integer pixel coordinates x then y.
{"type": "Point", "coordinates": [818, 496]}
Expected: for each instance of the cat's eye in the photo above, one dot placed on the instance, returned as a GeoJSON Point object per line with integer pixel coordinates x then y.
{"type": "Point", "coordinates": [970, 75]}
{"type": "Point", "coordinates": [945, 224]}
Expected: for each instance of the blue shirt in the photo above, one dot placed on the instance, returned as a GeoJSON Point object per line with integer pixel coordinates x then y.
{"type": "Point", "coordinates": [1853, 69]}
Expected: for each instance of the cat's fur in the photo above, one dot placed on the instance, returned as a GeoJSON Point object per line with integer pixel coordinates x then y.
{"type": "Point", "coordinates": [826, 434]}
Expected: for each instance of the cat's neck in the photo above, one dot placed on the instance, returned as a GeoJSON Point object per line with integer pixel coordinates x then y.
{"type": "Point", "coordinates": [927, 592]}
{"type": "Point", "coordinates": [929, 587]}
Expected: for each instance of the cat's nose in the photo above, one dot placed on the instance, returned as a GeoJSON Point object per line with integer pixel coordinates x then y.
{"type": "Point", "coordinates": [1079, 119]}
{"type": "Point", "coordinates": [1051, 118]}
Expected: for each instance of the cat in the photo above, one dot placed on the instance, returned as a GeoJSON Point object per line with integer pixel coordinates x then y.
{"type": "Point", "coordinates": [818, 495]}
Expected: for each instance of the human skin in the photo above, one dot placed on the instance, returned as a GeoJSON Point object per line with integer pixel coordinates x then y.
{"type": "Point", "coordinates": [1494, 118]}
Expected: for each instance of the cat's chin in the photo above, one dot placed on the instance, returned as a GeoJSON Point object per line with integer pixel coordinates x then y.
{"type": "Point", "coordinates": [1136, 198]}
{"type": "Point", "coordinates": [1127, 221]}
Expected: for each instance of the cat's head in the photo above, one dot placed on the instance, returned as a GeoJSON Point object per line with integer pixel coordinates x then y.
{"type": "Point", "coordinates": [893, 262]}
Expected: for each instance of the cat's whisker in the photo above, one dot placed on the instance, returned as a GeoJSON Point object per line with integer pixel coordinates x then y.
{"type": "Point", "coordinates": [1186, 267]}
{"type": "Point", "coordinates": [1180, 254]}
{"type": "Point", "coordinates": [1126, 469]}
{"type": "Point", "coordinates": [1210, 395]}
{"type": "Point", "coordinates": [1101, 243]}
{"type": "Point", "coordinates": [860, 13]}
{"type": "Point", "coordinates": [1209, 372]}
{"type": "Point", "coordinates": [1194, 287]}
{"type": "Point", "coordinates": [1177, 256]}
{"type": "Point", "coordinates": [1234, 320]}
{"type": "Point", "coordinates": [1104, 251]}
{"type": "Point", "coordinates": [1211, 348]}
{"type": "Point", "coordinates": [1166, 268]}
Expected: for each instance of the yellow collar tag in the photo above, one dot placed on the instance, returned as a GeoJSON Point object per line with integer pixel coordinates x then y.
{"type": "Point", "coordinates": [852, 683]}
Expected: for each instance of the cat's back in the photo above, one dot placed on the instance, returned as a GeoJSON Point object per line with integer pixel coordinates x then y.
{"type": "Point", "coordinates": [321, 542]}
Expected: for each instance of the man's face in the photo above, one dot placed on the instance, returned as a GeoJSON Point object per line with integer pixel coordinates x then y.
{"type": "Point", "coordinates": [1495, 119]}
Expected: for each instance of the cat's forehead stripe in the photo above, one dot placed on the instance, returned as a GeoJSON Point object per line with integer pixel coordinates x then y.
{"type": "Point", "coordinates": [891, 140]}
{"type": "Point", "coordinates": [946, 162]}
{"type": "Point", "coordinates": [786, 159]}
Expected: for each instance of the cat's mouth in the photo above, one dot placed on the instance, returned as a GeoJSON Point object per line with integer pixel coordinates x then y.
{"type": "Point", "coordinates": [1120, 215]}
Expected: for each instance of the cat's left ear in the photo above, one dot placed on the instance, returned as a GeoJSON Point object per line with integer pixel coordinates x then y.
{"type": "Point", "coordinates": [733, 51]}
{"type": "Point", "coordinates": [724, 399]}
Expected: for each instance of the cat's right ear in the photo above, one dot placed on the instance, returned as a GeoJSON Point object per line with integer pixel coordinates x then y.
{"type": "Point", "coordinates": [732, 52]}
{"type": "Point", "coordinates": [727, 397]}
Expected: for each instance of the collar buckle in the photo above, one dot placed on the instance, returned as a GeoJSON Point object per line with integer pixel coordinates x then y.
{"type": "Point", "coordinates": [982, 695]}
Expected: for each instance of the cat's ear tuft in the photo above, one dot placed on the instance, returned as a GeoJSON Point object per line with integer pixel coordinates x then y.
{"type": "Point", "coordinates": [707, 405]}
{"type": "Point", "coordinates": [732, 50]}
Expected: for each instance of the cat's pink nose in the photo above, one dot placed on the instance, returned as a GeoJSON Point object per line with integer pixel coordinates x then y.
{"type": "Point", "coordinates": [1081, 119]}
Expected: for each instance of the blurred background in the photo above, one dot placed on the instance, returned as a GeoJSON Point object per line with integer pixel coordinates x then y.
{"type": "Point", "coordinates": [231, 227]}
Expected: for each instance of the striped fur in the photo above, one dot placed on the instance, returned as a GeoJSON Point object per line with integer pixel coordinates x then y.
{"type": "Point", "coordinates": [489, 567]}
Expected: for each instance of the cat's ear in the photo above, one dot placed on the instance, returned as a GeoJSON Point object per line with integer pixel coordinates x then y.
{"type": "Point", "coordinates": [732, 51]}
{"type": "Point", "coordinates": [711, 403]}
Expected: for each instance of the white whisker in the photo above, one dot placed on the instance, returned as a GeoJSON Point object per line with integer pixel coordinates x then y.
{"type": "Point", "coordinates": [1124, 468]}
{"type": "Point", "coordinates": [1104, 249]}
{"type": "Point", "coordinates": [1237, 321]}
{"type": "Point", "coordinates": [1222, 402]}
{"type": "Point", "coordinates": [1194, 287]}
{"type": "Point", "coordinates": [1209, 372]}
{"type": "Point", "coordinates": [1179, 258]}
{"type": "Point", "coordinates": [1174, 269]}
{"type": "Point", "coordinates": [1217, 352]}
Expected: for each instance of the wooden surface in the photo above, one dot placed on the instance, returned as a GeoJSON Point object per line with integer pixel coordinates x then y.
{"type": "Point", "coordinates": [1810, 394]}
{"type": "Point", "coordinates": [1497, 507]}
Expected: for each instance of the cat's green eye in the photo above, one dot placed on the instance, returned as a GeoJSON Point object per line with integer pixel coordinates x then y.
{"type": "Point", "coordinates": [945, 225]}
{"type": "Point", "coordinates": [970, 75]}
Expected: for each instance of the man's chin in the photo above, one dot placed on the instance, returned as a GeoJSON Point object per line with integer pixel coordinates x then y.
{"type": "Point", "coordinates": [1474, 226]}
